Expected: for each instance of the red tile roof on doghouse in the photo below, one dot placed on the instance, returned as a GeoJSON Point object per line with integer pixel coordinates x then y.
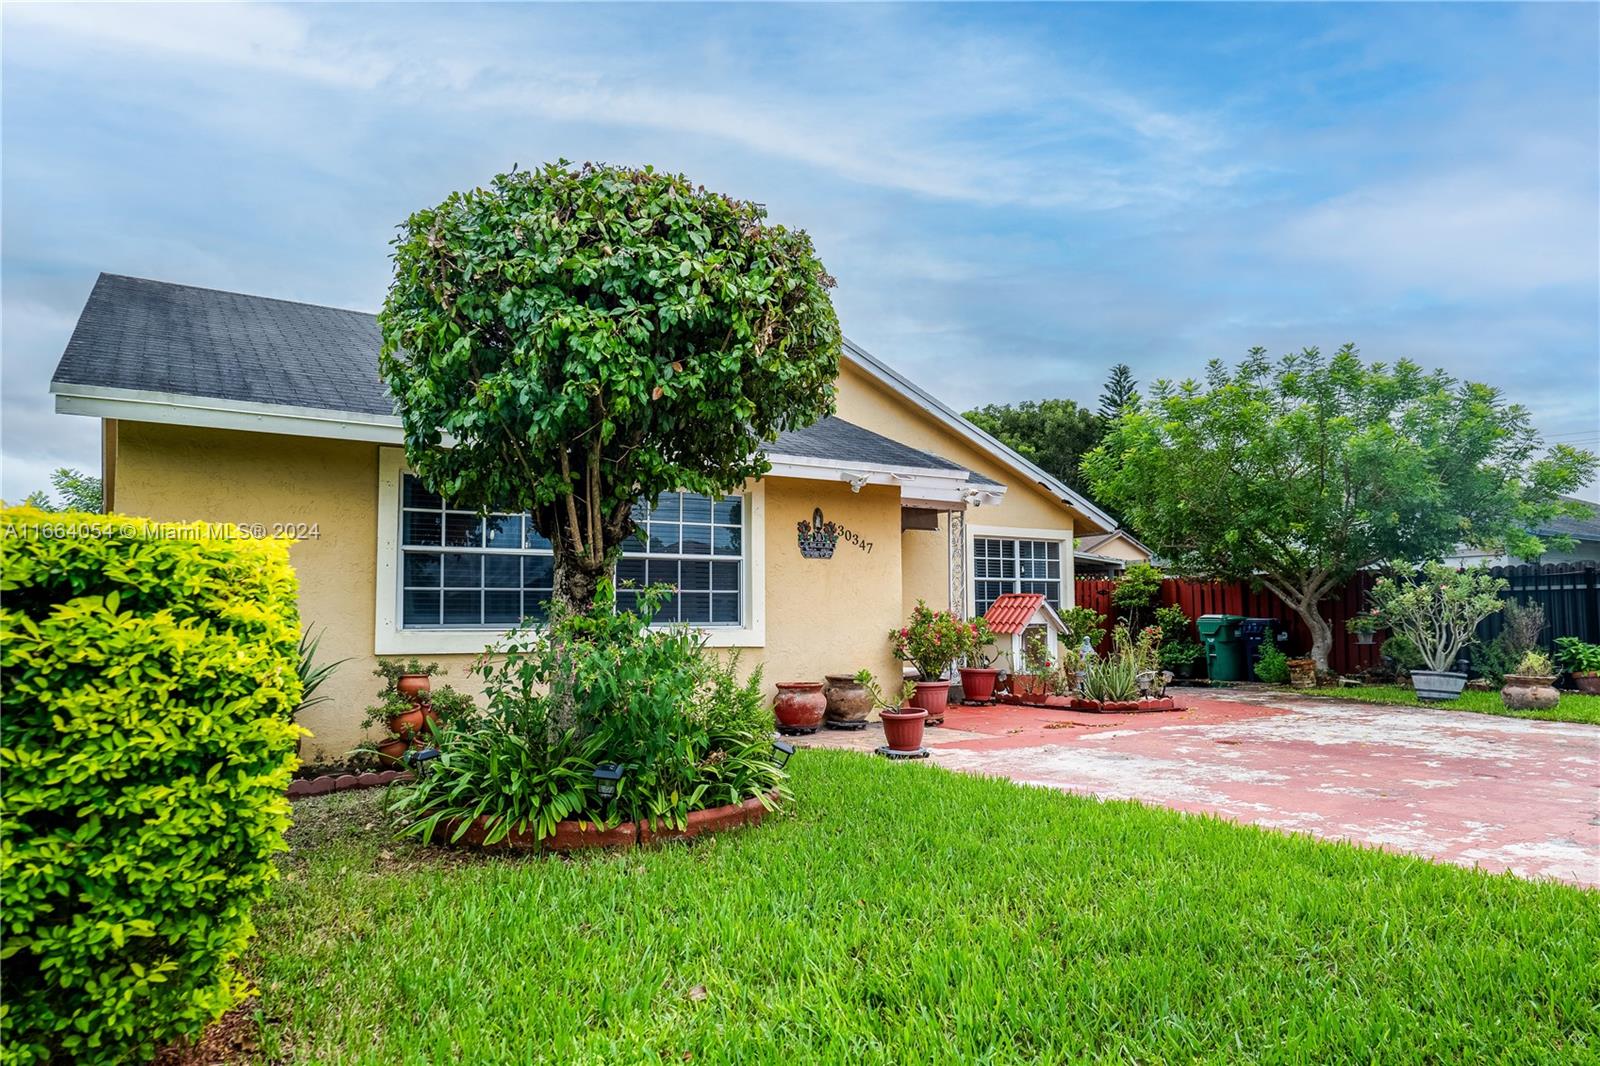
{"type": "Point", "coordinates": [1012, 611]}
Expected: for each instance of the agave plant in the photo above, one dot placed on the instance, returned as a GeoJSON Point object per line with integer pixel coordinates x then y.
{"type": "Point", "coordinates": [313, 676]}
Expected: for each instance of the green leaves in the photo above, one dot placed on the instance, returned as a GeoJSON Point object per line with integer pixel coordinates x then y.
{"type": "Point", "coordinates": [600, 324]}
{"type": "Point", "coordinates": [1300, 471]}
{"type": "Point", "coordinates": [150, 682]}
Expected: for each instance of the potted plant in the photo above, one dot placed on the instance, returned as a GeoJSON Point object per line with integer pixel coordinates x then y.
{"type": "Point", "coordinates": [930, 641]}
{"type": "Point", "coordinates": [799, 707]}
{"type": "Point", "coordinates": [1533, 685]}
{"type": "Point", "coordinates": [1582, 661]}
{"type": "Point", "coordinates": [1365, 626]}
{"type": "Point", "coordinates": [977, 682]}
{"type": "Point", "coordinates": [410, 677]}
{"type": "Point", "coordinates": [1436, 609]}
{"type": "Point", "coordinates": [902, 721]}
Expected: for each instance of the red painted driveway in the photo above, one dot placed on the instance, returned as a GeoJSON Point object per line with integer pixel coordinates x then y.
{"type": "Point", "coordinates": [1472, 789]}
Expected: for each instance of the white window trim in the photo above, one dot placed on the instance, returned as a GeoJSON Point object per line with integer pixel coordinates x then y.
{"type": "Point", "coordinates": [1060, 536]}
{"type": "Point", "coordinates": [391, 638]}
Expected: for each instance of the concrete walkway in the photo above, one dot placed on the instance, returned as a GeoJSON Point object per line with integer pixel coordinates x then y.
{"type": "Point", "coordinates": [1471, 789]}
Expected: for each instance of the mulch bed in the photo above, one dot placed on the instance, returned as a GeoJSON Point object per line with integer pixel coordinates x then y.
{"type": "Point", "coordinates": [232, 1039]}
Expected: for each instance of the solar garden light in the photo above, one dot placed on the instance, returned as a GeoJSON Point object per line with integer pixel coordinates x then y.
{"type": "Point", "coordinates": [420, 759]}
{"type": "Point", "coordinates": [606, 776]}
{"type": "Point", "coordinates": [784, 750]}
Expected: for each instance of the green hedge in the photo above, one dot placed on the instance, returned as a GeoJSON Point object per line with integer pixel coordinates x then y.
{"type": "Point", "coordinates": [149, 690]}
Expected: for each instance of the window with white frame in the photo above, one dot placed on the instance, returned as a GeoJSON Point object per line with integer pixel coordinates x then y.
{"type": "Point", "coordinates": [1005, 564]}
{"type": "Point", "coordinates": [461, 570]}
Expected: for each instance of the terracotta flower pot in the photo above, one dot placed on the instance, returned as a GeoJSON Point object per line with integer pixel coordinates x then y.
{"type": "Point", "coordinates": [1030, 686]}
{"type": "Point", "coordinates": [977, 685]}
{"type": "Point", "coordinates": [933, 697]}
{"type": "Point", "coordinates": [848, 703]}
{"type": "Point", "coordinates": [1587, 682]}
{"type": "Point", "coordinates": [903, 728]}
{"type": "Point", "coordinates": [799, 706]}
{"type": "Point", "coordinates": [1526, 692]}
{"type": "Point", "coordinates": [390, 751]}
{"type": "Point", "coordinates": [410, 686]}
{"type": "Point", "coordinates": [409, 724]}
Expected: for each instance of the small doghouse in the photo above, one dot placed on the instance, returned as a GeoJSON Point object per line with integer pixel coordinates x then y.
{"type": "Point", "coordinates": [1016, 614]}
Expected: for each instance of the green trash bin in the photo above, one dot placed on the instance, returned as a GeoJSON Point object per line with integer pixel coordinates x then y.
{"type": "Point", "coordinates": [1225, 651]}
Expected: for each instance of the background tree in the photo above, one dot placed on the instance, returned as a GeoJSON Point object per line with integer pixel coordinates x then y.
{"type": "Point", "coordinates": [573, 340]}
{"type": "Point", "coordinates": [1121, 392]}
{"type": "Point", "coordinates": [1055, 434]}
{"type": "Point", "coordinates": [78, 491]}
{"type": "Point", "coordinates": [1299, 472]}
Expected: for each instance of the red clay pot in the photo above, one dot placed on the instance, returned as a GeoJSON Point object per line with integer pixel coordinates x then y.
{"type": "Point", "coordinates": [390, 750]}
{"type": "Point", "coordinates": [409, 724]}
{"type": "Point", "coordinates": [903, 728]}
{"type": "Point", "coordinates": [977, 685]}
{"type": "Point", "coordinates": [799, 706]}
{"type": "Point", "coordinates": [411, 686]}
{"type": "Point", "coordinates": [933, 697]}
{"type": "Point", "coordinates": [1588, 682]}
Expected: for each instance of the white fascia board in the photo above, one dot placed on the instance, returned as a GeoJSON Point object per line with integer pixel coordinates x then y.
{"type": "Point", "coordinates": [171, 408]}
{"type": "Point", "coordinates": [866, 361]}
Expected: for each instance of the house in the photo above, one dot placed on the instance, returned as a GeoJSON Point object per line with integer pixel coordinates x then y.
{"type": "Point", "coordinates": [1108, 554]}
{"type": "Point", "coordinates": [1585, 534]}
{"type": "Point", "coordinates": [227, 407]}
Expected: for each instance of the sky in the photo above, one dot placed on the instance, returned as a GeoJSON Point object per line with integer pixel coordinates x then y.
{"type": "Point", "coordinates": [1012, 197]}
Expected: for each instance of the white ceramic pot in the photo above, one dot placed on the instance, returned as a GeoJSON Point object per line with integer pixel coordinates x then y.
{"type": "Point", "coordinates": [1438, 684]}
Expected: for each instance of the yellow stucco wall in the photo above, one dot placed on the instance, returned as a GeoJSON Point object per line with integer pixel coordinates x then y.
{"type": "Point", "coordinates": [1027, 505]}
{"type": "Point", "coordinates": [830, 616]}
{"type": "Point", "coordinates": [822, 615]}
{"type": "Point", "coordinates": [1120, 547]}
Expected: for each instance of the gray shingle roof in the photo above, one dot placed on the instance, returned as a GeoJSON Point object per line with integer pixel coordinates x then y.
{"type": "Point", "coordinates": [155, 336]}
{"type": "Point", "coordinates": [835, 439]}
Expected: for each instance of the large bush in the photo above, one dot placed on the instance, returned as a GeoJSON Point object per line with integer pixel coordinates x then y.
{"type": "Point", "coordinates": [150, 684]}
{"type": "Point", "coordinates": [595, 687]}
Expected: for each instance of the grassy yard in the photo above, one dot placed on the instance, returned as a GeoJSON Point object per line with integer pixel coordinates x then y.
{"type": "Point", "coordinates": [1574, 706]}
{"type": "Point", "coordinates": [904, 914]}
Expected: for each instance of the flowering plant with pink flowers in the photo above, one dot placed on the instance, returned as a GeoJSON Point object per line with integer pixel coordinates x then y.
{"type": "Point", "coordinates": [931, 640]}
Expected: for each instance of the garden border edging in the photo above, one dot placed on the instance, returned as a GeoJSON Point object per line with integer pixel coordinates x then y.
{"type": "Point", "coordinates": [582, 835]}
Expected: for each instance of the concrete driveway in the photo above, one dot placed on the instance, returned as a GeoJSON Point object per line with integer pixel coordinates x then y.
{"type": "Point", "coordinates": [1471, 789]}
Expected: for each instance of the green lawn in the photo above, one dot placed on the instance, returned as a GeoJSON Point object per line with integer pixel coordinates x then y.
{"type": "Point", "coordinates": [904, 914]}
{"type": "Point", "coordinates": [1574, 706]}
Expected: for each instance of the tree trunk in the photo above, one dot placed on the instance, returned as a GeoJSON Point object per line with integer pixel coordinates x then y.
{"type": "Point", "coordinates": [576, 578]}
{"type": "Point", "coordinates": [1321, 633]}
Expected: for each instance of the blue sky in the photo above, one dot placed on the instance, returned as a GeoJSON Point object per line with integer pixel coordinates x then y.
{"type": "Point", "coordinates": [1012, 197]}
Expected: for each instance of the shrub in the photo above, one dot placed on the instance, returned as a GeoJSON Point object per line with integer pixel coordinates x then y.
{"type": "Point", "coordinates": [591, 688]}
{"type": "Point", "coordinates": [1437, 608]}
{"type": "Point", "coordinates": [151, 679]}
{"type": "Point", "coordinates": [1578, 657]}
{"type": "Point", "coordinates": [1080, 623]}
{"type": "Point", "coordinates": [1273, 665]}
{"type": "Point", "coordinates": [1402, 651]}
{"type": "Point", "coordinates": [1135, 591]}
{"type": "Point", "coordinates": [1520, 635]}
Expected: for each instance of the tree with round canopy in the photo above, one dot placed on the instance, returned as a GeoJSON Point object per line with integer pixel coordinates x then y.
{"type": "Point", "coordinates": [573, 340]}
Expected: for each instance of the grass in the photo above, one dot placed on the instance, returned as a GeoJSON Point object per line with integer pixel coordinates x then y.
{"type": "Point", "coordinates": [900, 913]}
{"type": "Point", "coordinates": [1574, 706]}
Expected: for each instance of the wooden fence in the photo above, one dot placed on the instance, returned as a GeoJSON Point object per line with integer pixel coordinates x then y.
{"type": "Point", "coordinates": [1568, 592]}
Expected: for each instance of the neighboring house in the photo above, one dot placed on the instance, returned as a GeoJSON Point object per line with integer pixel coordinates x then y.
{"type": "Point", "coordinates": [226, 407]}
{"type": "Point", "coordinates": [1108, 554]}
{"type": "Point", "coordinates": [1585, 534]}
